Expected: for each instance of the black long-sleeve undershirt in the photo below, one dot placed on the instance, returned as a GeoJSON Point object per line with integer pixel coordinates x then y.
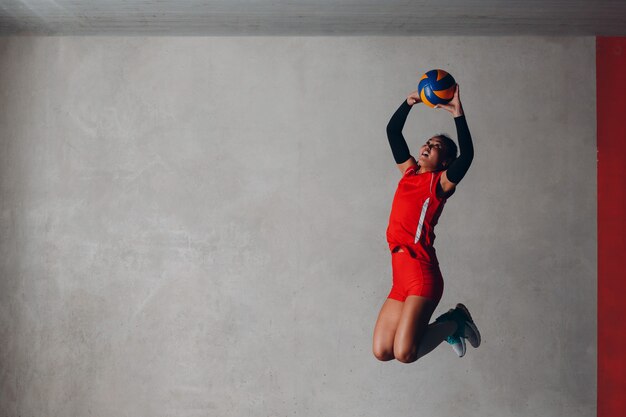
{"type": "Point", "coordinates": [399, 148]}
{"type": "Point", "coordinates": [457, 169]}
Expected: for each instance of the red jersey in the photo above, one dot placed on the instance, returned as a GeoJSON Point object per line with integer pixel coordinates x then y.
{"type": "Point", "coordinates": [414, 213]}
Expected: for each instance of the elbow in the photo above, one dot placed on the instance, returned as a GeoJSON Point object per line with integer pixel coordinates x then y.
{"type": "Point", "coordinates": [467, 155]}
{"type": "Point", "coordinates": [392, 128]}
{"type": "Point", "coordinates": [391, 135]}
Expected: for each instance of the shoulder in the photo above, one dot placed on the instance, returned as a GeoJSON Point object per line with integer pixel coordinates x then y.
{"type": "Point", "coordinates": [408, 164]}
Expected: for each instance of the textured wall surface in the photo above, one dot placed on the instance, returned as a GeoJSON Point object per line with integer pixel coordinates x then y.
{"type": "Point", "coordinates": [196, 226]}
{"type": "Point", "coordinates": [313, 17]}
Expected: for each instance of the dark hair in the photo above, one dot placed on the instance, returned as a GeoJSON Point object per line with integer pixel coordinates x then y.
{"type": "Point", "coordinates": [450, 146]}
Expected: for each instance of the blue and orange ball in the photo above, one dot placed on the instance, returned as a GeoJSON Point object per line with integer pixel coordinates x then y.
{"type": "Point", "coordinates": [436, 87]}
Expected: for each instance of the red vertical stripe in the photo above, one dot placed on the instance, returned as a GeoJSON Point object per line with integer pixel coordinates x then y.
{"type": "Point", "coordinates": [611, 117]}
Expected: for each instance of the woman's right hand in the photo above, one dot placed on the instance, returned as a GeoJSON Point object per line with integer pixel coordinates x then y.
{"type": "Point", "coordinates": [454, 106]}
{"type": "Point", "coordinates": [413, 98]}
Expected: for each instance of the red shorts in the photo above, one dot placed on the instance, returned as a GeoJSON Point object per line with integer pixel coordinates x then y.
{"type": "Point", "coordinates": [413, 277]}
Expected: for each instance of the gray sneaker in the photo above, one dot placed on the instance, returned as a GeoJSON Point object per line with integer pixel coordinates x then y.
{"type": "Point", "coordinates": [470, 331]}
{"type": "Point", "coordinates": [466, 328]}
{"type": "Point", "coordinates": [455, 340]}
{"type": "Point", "coordinates": [458, 345]}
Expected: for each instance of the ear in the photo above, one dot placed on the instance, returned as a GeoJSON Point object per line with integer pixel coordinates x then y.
{"type": "Point", "coordinates": [448, 161]}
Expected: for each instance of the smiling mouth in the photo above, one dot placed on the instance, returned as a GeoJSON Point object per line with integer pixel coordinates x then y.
{"type": "Point", "coordinates": [425, 154]}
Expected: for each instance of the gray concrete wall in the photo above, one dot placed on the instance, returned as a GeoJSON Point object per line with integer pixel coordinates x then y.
{"type": "Point", "coordinates": [196, 226]}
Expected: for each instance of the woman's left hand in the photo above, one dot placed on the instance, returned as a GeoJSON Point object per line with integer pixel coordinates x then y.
{"type": "Point", "coordinates": [454, 106]}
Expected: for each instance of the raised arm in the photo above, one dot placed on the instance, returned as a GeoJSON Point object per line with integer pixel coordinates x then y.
{"type": "Point", "coordinates": [399, 148]}
{"type": "Point", "coordinates": [457, 169]}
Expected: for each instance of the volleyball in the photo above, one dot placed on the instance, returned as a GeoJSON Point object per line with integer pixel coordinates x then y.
{"type": "Point", "coordinates": [436, 87]}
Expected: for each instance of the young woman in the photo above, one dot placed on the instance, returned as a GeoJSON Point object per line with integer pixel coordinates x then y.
{"type": "Point", "coordinates": [402, 331]}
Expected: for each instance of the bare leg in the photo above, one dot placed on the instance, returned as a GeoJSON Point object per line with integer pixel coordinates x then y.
{"type": "Point", "coordinates": [413, 324]}
{"type": "Point", "coordinates": [414, 337]}
{"type": "Point", "coordinates": [385, 329]}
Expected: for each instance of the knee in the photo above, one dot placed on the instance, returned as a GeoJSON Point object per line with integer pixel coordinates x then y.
{"type": "Point", "coordinates": [383, 354]}
{"type": "Point", "coordinates": [406, 355]}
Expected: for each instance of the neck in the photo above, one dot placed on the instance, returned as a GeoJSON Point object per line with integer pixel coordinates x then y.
{"type": "Point", "coordinates": [423, 170]}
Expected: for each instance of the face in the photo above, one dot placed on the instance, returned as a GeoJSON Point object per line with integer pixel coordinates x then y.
{"type": "Point", "coordinates": [432, 154]}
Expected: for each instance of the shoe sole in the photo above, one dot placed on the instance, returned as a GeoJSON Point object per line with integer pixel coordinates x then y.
{"type": "Point", "coordinates": [464, 348]}
{"type": "Point", "coordinates": [470, 324]}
